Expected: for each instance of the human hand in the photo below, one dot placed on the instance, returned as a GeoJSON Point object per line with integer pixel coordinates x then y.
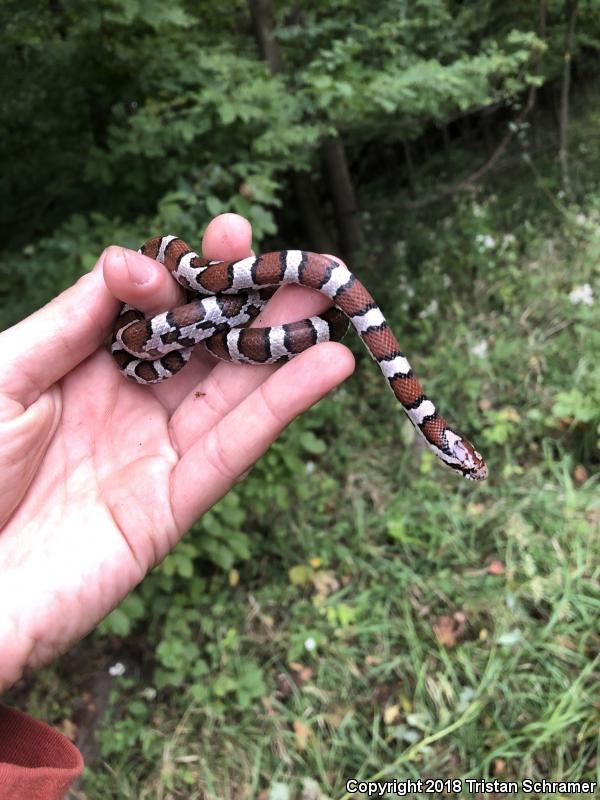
{"type": "Point", "coordinates": [100, 477]}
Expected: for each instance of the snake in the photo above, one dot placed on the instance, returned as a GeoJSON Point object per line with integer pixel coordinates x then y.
{"type": "Point", "coordinates": [225, 296]}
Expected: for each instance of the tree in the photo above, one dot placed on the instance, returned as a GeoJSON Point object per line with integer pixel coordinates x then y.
{"type": "Point", "coordinates": [135, 116]}
{"type": "Point", "coordinates": [571, 7]}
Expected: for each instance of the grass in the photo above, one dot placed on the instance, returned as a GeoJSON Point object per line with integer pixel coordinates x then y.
{"type": "Point", "coordinates": [388, 620]}
{"type": "Point", "coordinates": [514, 697]}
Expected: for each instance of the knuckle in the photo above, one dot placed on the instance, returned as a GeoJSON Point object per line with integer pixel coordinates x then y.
{"type": "Point", "coordinates": [217, 455]}
{"type": "Point", "coordinates": [272, 408]}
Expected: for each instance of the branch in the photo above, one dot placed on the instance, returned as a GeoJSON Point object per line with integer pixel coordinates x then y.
{"type": "Point", "coordinates": [468, 184]}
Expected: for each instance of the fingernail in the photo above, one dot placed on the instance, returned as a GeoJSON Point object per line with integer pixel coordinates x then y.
{"type": "Point", "coordinates": [139, 269]}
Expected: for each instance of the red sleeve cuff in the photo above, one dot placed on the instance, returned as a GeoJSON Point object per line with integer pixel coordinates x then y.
{"type": "Point", "coordinates": [36, 761]}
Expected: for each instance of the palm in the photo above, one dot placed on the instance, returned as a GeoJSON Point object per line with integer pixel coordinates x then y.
{"type": "Point", "coordinates": [102, 492]}
{"type": "Point", "coordinates": [123, 469]}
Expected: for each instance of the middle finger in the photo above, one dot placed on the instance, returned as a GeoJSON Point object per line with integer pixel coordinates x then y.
{"type": "Point", "coordinates": [228, 384]}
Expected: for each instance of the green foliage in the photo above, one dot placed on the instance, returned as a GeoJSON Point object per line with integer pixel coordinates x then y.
{"type": "Point", "coordinates": [349, 608]}
{"type": "Point", "coordinates": [416, 89]}
{"type": "Point", "coordinates": [327, 630]}
{"type": "Point", "coordinates": [121, 115]}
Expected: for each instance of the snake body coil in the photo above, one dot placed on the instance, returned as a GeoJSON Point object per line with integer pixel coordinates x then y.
{"type": "Point", "coordinates": [228, 295]}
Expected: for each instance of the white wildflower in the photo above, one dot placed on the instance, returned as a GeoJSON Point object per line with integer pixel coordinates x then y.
{"type": "Point", "coordinates": [480, 349]}
{"type": "Point", "coordinates": [309, 467]}
{"type": "Point", "coordinates": [484, 241]}
{"type": "Point", "coordinates": [310, 644]}
{"type": "Point", "coordinates": [508, 239]}
{"type": "Point", "coordinates": [429, 310]}
{"type": "Point", "coordinates": [582, 294]}
{"type": "Point", "coordinates": [446, 281]}
{"type": "Point", "coordinates": [116, 670]}
{"type": "Point", "coordinates": [581, 219]}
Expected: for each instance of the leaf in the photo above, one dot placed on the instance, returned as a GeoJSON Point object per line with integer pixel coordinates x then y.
{"type": "Point", "coordinates": [138, 708]}
{"type": "Point", "coordinates": [311, 790]}
{"type": "Point", "coordinates": [495, 567]}
{"type": "Point", "coordinates": [580, 474]}
{"type": "Point", "coordinates": [69, 729]}
{"type": "Point", "coordinates": [510, 638]}
{"type": "Point", "coordinates": [444, 630]}
{"type": "Point", "coordinates": [279, 791]}
{"type": "Point", "coordinates": [302, 732]}
{"type": "Point", "coordinates": [391, 714]}
{"type": "Point", "coordinates": [223, 685]}
{"type": "Point", "coordinates": [300, 575]}
{"type": "Point", "coordinates": [312, 444]}
{"type": "Point", "coordinates": [227, 112]}
{"type": "Point", "coordinates": [325, 582]}
{"type": "Point", "coordinates": [341, 614]}
{"type": "Point", "coordinates": [419, 720]}
{"type": "Point", "coordinates": [448, 629]}
{"type": "Point", "coordinates": [214, 205]}
{"type": "Point", "coordinates": [499, 766]}
{"type": "Point", "coordinates": [118, 622]}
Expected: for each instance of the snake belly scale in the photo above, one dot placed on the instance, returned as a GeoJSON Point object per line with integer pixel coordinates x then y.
{"type": "Point", "coordinates": [224, 296]}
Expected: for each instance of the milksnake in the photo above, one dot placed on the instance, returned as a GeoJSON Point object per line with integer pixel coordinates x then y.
{"type": "Point", "coordinates": [227, 295]}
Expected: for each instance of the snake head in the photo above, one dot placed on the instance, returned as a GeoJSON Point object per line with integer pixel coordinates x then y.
{"type": "Point", "coordinates": [470, 463]}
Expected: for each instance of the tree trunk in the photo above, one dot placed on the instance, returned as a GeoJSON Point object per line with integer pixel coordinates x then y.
{"type": "Point", "coordinates": [262, 16]}
{"type": "Point", "coordinates": [312, 219]}
{"type": "Point", "coordinates": [447, 151]}
{"type": "Point", "coordinates": [563, 153]}
{"type": "Point", "coordinates": [261, 13]}
{"type": "Point", "coordinates": [343, 197]}
{"type": "Point", "coordinates": [487, 133]}
{"type": "Point", "coordinates": [410, 169]}
{"type": "Point", "coordinates": [542, 13]}
{"type": "Point", "coordinates": [57, 9]}
{"type": "Point", "coordinates": [466, 128]}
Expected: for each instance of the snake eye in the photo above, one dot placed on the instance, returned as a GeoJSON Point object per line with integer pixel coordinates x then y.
{"type": "Point", "coordinates": [462, 453]}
